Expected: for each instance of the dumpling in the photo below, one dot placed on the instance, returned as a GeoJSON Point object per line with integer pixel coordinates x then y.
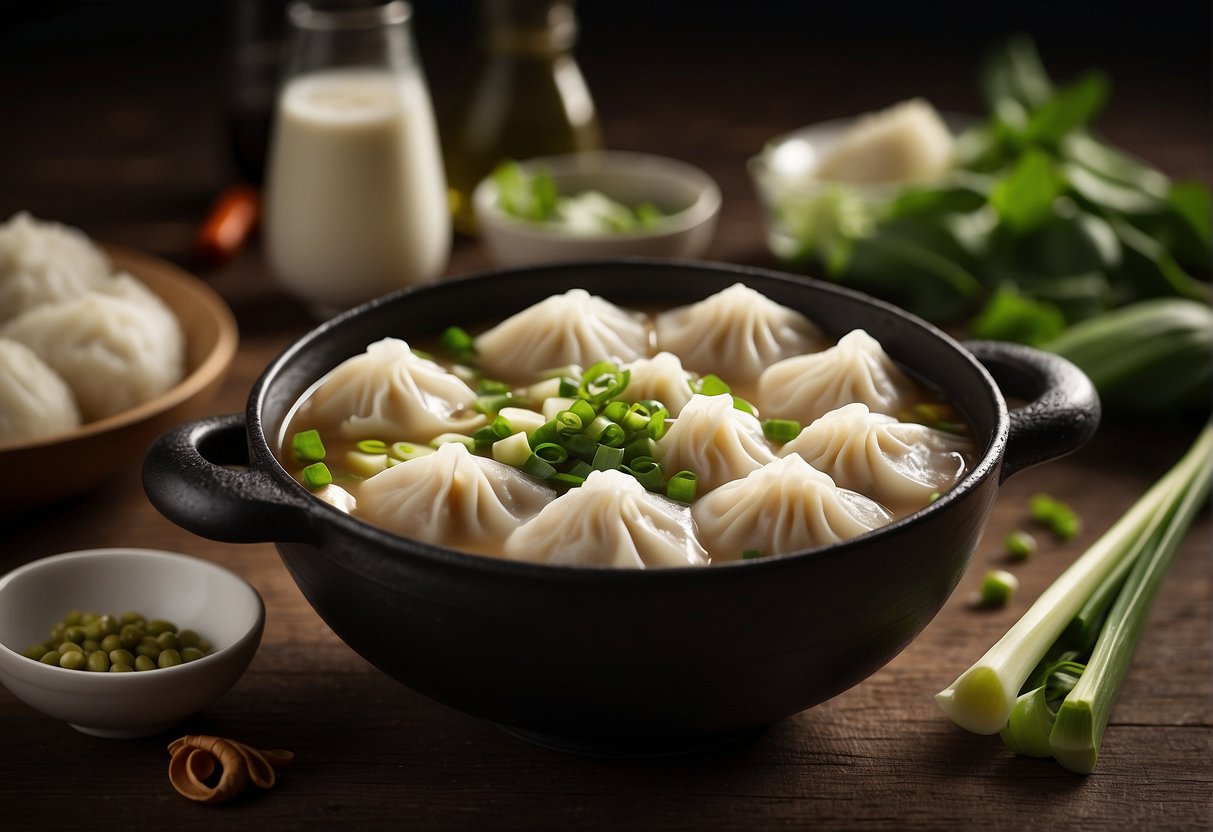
{"type": "Point", "coordinates": [43, 263]}
{"type": "Point", "coordinates": [899, 464]}
{"type": "Point", "coordinates": [451, 497]}
{"type": "Point", "coordinates": [610, 520]}
{"type": "Point", "coordinates": [715, 440]}
{"type": "Point", "coordinates": [660, 377]}
{"type": "Point", "coordinates": [573, 328]}
{"type": "Point", "coordinates": [736, 334]}
{"type": "Point", "coordinates": [116, 346]}
{"type": "Point", "coordinates": [34, 400]}
{"type": "Point", "coordinates": [391, 393]}
{"type": "Point", "coordinates": [785, 506]}
{"type": "Point", "coordinates": [856, 369]}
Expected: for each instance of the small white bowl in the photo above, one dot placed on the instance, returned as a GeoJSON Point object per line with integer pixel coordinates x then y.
{"type": "Point", "coordinates": [216, 603]}
{"type": "Point", "coordinates": [689, 197]}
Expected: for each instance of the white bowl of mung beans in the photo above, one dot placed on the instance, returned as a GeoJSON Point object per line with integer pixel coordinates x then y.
{"type": "Point", "coordinates": [125, 642]}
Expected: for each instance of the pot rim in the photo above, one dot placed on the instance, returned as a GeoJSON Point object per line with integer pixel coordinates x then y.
{"type": "Point", "coordinates": [263, 459]}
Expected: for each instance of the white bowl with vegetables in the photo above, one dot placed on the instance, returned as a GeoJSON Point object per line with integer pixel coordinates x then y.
{"type": "Point", "coordinates": [592, 205]}
{"type": "Point", "coordinates": [173, 633]}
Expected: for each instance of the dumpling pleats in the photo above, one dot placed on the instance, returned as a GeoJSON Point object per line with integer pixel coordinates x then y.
{"type": "Point", "coordinates": [715, 440]}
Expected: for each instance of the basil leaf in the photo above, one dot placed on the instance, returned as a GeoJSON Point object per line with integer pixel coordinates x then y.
{"type": "Point", "coordinates": [1106, 194]}
{"type": "Point", "coordinates": [1082, 149]}
{"type": "Point", "coordinates": [1010, 316]}
{"type": "Point", "coordinates": [1072, 107]}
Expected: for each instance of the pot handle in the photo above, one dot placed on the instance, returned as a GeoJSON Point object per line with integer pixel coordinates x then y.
{"type": "Point", "coordinates": [185, 478]}
{"type": "Point", "coordinates": [1062, 410]}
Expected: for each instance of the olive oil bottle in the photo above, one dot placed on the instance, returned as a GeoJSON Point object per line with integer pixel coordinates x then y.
{"type": "Point", "coordinates": [527, 98]}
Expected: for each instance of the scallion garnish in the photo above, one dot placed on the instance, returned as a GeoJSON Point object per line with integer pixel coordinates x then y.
{"type": "Point", "coordinates": [551, 453]}
{"type": "Point", "coordinates": [584, 411]}
{"type": "Point", "coordinates": [580, 468]}
{"type": "Point", "coordinates": [444, 438]}
{"type": "Point", "coordinates": [985, 697]}
{"type": "Point", "coordinates": [657, 425]}
{"type": "Point", "coordinates": [563, 479]}
{"type": "Point", "coordinates": [307, 445]}
{"type": "Point", "coordinates": [681, 487]}
{"type": "Point", "coordinates": [1019, 545]}
{"type": "Point", "coordinates": [615, 411]}
{"type": "Point", "coordinates": [457, 342]}
{"type": "Point", "coordinates": [1056, 516]}
{"type": "Point", "coordinates": [317, 475]}
{"type": "Point", "coordinates": [490, 404]}
{"type": "Point", "coordinates": [997, 587]}
{"type": "Point", "coordinates": [711, 385]}
{"type": "Point", "coordinates": [536, 467]}
{"type": "Point", "coordinates": [780, 430]}
{"type": "Point", "coordinates": [643, 446]}
{"type": "Point", "coordinates": [404, 451]}
{"type": "Point", "coordinates": [607, 458]}
{"type": "Point", "coordinates": [484, 437]}
{"type": "Point", "coordinates": [513, 450]}
{"type": "Point", "coordinates": [751, 554]}
{"type": "Point", "coordinates": [602, 382]}
{"type": "Point", "coordinates": [636, 418]}
{"type": "Point", "coordinates": [647, 472]}
{"type": "Point", "coordinates": [501, 427]}
{"type": "Point", "coordinates": [745, 407]}
{"type": "Point", "coordinates": [489, 386]}
{"type": "Point", "coordinates": [372, 446]}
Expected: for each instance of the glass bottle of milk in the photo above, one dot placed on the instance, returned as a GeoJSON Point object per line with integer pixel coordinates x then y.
{"type": "Point", "coordinates": [355, 192]}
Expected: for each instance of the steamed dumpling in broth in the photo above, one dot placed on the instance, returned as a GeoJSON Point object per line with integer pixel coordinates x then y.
{"type": "Point", "coordinates": [736, 334]}
{"type": "Point", "coordinates": [899, 464]}
{"type": "Point", "coordinates": [389, 392]}
{"type": "Point", "coordinates": [451, 497]}
{"type": "Point", "coordinates": [116, 346]}
{"type": "Point", "coordinates": [856, 369]}
{"type": "Point", "coordinates": [43, 263]}
{"type": "Point", "coordinates": [34, 400]}
{"type": "Point", "coordinates": [573, 328]}
{"type": "Point", "coordinates": [661, 378]}
{"type": "Point", "coordinates": [609, 521]}
{"type": "Point", "coordinates": [715, 440]}
{"type": "Point", "coordinates": [784, 506]}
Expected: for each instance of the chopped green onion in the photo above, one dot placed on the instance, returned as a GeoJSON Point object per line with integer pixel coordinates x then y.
{"type": "Point", "coordinates": [584, 411]}
{"type": "Point", "coordinates": [580, 469]}
{"type": "Point", "coordinates": [365, 465]}
{"type": "Point", "coordinates": [997, 587]}
{"type": "Point", "coordinates": [643, 446]}
{"type": "Point", "coordinates": [597, 427]}
{"type": "Point", "coordinates": [636, 419]}
{"type": "Point", "coordinates": [547, 432]}
{"type": "Point", "coordinates": [308, 447]}
{"type": "Point", "coordinates": [372, 446]}
{"type": "Point", "coordinates": [607, 458]}
{"type": "Point", "coordinates": [544, 390]}
{"type": "Point", "coordinates": [317, 475]}
{"type": "Point", "coordinates": [1056, 516]}
{"type": "Point", "coordinates": [501, 427]}
{"type": "Point", "coordinates": [536, 467]}
{"type": "Point", "coordinates": [1019, 545]}
{"type": "Point", "coordinates": [457, 342]}
{"type": "Point", "coordinates": [551, 453]}
{"type": "Point", "coordinates": [489, 386]}
{"type": "Point", "coordinates": [614, 435]}
{"type": "Point", "coordinates": [711, 385]}
{"type": "Point", "coordinates": [681, 487]}
{"type": "Point", "coordinates": [647, 472]}
{"type": "Point", "coordinates": [745, 407]}
{"type": "Point", "coordinates": [751, 554]}
{"type": "Point", "coordinates": [615, 411]}
{"type": "Point", "coordinates": [569, 387]}
{"type": "Point", "coordinates": [581, 446]}
{"type": "Point", "coordinates": [569, 371]}
{"type": "Point", "coordinates": [553, 405]}
{"type": "Point", "coordinates": [569, 423]}
{"type": "Point", "coordinates": [657, 423]}
{"type": "Point", "coordinates": [780, 430]}
{"type": "Point", "coordinates": [602, 382]}
{"type": "Point", "coordinates": [405, 451]}
{"type": "Point", "coordinates": [513, 450]}
{"type": "Point", "coordinates": [935, 495]}
{"type": "Point", "coordinates": [484, 437]}
{"type": "Point", "coordinates": [445, 438]}
{"type": "Point", "coordinates": [490, 405]}
{"type": "Point", "coordinates": [565, 480]}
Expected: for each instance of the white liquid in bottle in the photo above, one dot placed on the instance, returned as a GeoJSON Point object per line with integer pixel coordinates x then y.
{"type": "Point", "coordinates": [356, 197]}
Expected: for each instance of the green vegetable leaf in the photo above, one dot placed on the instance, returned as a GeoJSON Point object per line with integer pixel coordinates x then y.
{"type": "Point", "coordinates": [1010, 316]}
{"type": "Point", "coordinates": [1151, 269]}
{"type": "Point", "coordinates": [1015, 72]}
{"type": "Point", "coordinates": [1098, 157]}
{"type": "Point", "coordinates": [1024, 197]}
{"type": "Point", "coordinates": [1073, 106]}
{"type": "Point", "coordinates": [1190, 201]}
{"type": "Point", "coordinates": [1105, 194]}
{"type": "Point", "coordinates": [911, 274]}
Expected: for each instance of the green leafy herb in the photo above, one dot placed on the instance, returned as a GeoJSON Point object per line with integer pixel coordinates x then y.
{"type": "Point", "coordinates": [533, 198]}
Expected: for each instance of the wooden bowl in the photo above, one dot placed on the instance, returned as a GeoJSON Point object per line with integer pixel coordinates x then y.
{"type": "Point", "coordinates": [54, 467]}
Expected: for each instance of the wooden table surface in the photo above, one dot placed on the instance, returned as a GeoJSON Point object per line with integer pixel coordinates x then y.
{"type": "Point", "coordinates": [123, 139]}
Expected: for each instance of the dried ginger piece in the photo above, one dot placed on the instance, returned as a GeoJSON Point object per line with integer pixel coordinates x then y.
{"type": "Point", "coordinates": [195, 758]}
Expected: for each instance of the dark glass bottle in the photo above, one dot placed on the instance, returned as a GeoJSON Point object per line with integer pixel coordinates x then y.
{"type": "Point", "coordinates": [528, 98]}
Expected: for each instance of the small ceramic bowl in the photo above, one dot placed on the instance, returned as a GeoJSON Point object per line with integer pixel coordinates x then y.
{"type": "Point", "coordinates": [194, 594]}
{"type": "Point", "coordinates": [800, 209]}
{"type": "Point", "coordinates": [70, 463]}
{"type": "Point", "coordinates": [688, 197]}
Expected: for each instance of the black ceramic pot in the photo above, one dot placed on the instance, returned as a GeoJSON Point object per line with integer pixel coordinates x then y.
{"type": "Point", "coordinates": [621, 660]}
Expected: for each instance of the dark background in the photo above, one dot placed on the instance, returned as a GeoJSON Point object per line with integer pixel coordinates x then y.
{"type": "Point", "coordinates": [666, 62]}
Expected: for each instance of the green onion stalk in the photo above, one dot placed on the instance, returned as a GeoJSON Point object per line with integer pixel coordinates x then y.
{"type": "Point", "coordinates": [984, 697]}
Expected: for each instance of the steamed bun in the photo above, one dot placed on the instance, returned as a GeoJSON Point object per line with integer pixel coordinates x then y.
{"type": "Point", "coordinates": [34, 400]}
{"type": "Point", "coordinates": [43, 263]}
{"type": "Point", "coordinates": [116, 346]}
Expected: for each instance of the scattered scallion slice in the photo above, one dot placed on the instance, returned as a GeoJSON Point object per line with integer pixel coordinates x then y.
{"type": "Point", "coordinates": [457, 342]}
{"type": "Point", "coordinates": [308, 446]}
{"type": "Point", "coordinates": [1019, 545]}
{"type": "Point", "coordinates": [492, 403]}
{"type": "Point", "coordinates": [551, 453]}
{"type": "Point", "coordinates": [443, 438]}
{"type": "Point", "coordinates": [780, 430]}
{"type": "Point", "coordinates": [317, 475]}
{"type": "Point", "coordinates": [607, 458]}
{"type": "Point", "coordinates": [404, 451]}
{"type": "Point", "coordinates": [513, 450]}
{"type": "Point", "coordinates": [372, 446]}
{"type": "Point", "coordinates": [647, 472]}
{"type": "Point", "coordinates": [711, 385]}
{"type": "Point", "coordinates": [745, 407]}
{"type": "Point", "coordinates": [681, 487]}
{"type": "Point", "coordinates": [751, 554]}
{"type": "Point", "coordinates": [997, 587]}
{"type": "Point", "coordinates": [536, 467]}
{"type": "Point", "coordinates": [1056, 516]}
